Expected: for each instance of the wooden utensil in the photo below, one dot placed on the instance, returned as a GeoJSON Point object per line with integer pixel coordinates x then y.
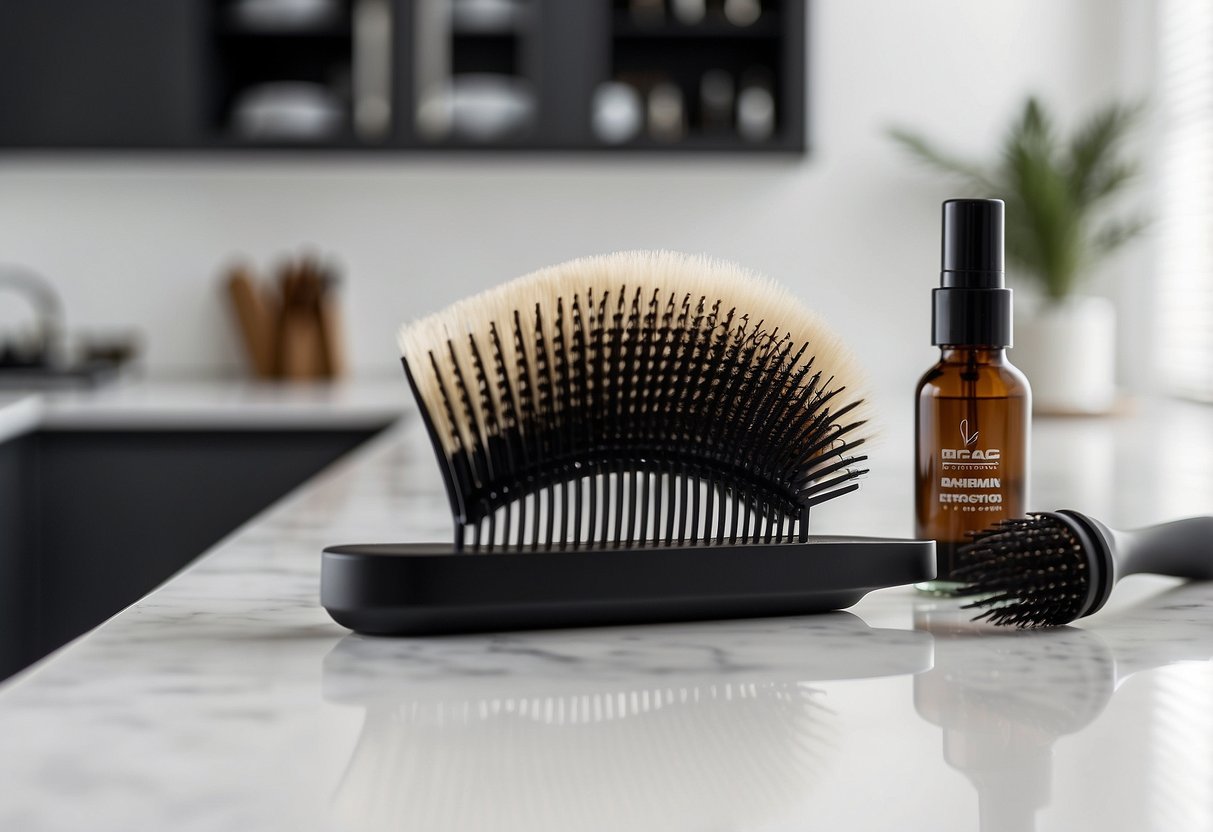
{"type": "Point", "coordinates": [299, 336]}
{"type": "Point", "coordinates": [330, 326]}
{"type": "Point", "coordinates": [255, 320]}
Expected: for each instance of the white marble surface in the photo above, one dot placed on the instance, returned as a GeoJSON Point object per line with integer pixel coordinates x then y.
{"type": "Point", "coordinates": [228, 700]}
{"type": "Point", "coordinates": [19, 413]}
{"type": "Point", "coordinates": [215, 404]}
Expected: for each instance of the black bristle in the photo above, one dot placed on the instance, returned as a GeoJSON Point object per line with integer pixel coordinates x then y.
{"type": "Point", "coordinates": [561, 354]}
{"type": "Point", "coordinates": [639, 415]}
{"type": "Point", "coordinates": [1026, 572]}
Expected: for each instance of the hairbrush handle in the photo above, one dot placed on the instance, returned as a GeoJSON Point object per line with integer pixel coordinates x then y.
{"type": "Point", "coordinates": [427, 589]}
{"type": "Point", "coordinates": [1181, 549]}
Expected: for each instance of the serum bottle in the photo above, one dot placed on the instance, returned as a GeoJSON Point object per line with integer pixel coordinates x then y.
{"type": "Point", "coordinates": [973, 408]}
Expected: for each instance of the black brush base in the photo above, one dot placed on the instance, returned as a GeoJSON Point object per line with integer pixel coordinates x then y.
{"type": "Point", "coordinates": [416, 589]}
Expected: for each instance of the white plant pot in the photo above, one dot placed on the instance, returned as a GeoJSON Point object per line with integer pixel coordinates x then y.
{"type": "Point", "coordinates": [1068, 352]}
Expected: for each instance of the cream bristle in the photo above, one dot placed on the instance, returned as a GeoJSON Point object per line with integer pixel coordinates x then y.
{"type": "Point", "coordinates": [667, 272]}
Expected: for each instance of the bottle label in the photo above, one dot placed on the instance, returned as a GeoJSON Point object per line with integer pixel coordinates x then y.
{"type": "Point", "coordinates": [969, 475]}
{"type": "Point", "coordinates": [972, 469]}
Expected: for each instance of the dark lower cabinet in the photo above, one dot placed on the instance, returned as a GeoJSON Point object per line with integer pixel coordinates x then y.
{"type": "Point", "coordinates": [16, 569]}
{"type": "Point", "coordinates": [92, 521]}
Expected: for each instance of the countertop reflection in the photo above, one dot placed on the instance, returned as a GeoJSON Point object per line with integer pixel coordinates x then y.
{"type": "Point", "coordinates": [670, 727]}
{"type": "Point", "coordinates": [1003, 699]}
{"type": "Point", "coordinates": [228, 700]}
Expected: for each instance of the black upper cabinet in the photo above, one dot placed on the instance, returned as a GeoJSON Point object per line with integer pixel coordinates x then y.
{"type": "Point", "coordinates": [666, 76]}
{"type": "Point", "coordinates": [100, 73]}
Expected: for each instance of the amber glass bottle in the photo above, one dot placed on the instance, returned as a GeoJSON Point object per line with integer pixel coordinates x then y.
{"type": "Point", "coordinates": [973, 408]}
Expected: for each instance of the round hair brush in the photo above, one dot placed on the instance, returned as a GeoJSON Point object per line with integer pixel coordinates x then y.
{"type": "Point", "coordinates": [634, 437]}
{"type": "Point", "coordinates": [1051, 568]}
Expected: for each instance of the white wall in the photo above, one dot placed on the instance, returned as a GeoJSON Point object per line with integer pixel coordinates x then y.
{"type": "Point", "coordinates": [852, 226]}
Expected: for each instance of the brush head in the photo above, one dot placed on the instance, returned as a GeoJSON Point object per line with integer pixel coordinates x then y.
{"type": "Point", "coordinates": [1031, 572]}
{"type": "Point", "coordinates": [633, 397]}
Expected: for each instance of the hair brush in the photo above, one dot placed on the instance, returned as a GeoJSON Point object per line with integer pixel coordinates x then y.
{"type": "Point", "coordinates": [1051, 568]}
{"type": "Point", "coordinates": [633, 437]}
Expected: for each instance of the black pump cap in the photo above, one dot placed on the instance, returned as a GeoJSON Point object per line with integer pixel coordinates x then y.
{"type": "Point", "coordinates": [972, 243]}
{"type": "Point", "coordinates": [972, 307]}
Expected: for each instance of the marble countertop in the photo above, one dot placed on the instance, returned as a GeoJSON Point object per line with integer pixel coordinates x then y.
{"type": "Point", "coordinates": [18, 414]}
{"type": "Point", "coordinates": [228, 700]}
{"type": "Point", "coordinates": [213, 404]}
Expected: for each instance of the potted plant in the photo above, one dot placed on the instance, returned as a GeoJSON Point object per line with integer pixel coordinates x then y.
{"type": "Point", "coordinates": [1061, 222]}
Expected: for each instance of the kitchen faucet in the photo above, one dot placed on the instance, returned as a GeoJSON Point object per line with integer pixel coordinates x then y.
{"type": "Point", "coordinates": [48, 308]}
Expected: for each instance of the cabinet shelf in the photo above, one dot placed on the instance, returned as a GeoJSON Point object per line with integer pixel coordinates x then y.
{"type": "Point", "coordinates": [766, 27]}
{"type": "Point", "coordinates": [333, 32]}
{"type": "Point", "coordinates": [168, 75]}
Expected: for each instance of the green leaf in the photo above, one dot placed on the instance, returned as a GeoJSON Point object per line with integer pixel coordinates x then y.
{"type": "Point", "coordinates": [922, 150]}
{"type": "Point", "coordinates": [1095, 169]}
{"type": "Point", "coordinates": [1055, 188]}
{"type": "Point", "coordinates": [1035, 122]}
{"type": "Point", "coordinates": [1108, 179]}
{"type": "Point", "coordinates": [1115, 233]}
